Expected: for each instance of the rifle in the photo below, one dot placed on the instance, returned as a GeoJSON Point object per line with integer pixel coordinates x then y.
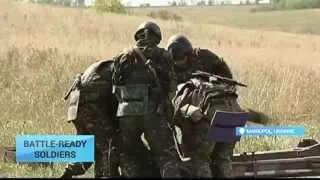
{"type": "Point", "coordinates": [178, 147]}
{"type": "Point", "coordinates": [75, 84]}
{"type": "Point", "coordinates": [298, 162]}
{"type": "Point", "coordinates": [212, 78]}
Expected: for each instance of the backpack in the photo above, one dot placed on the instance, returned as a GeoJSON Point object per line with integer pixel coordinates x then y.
{"type": "Point", "coordinates": [207, 96]}
{"type": "Point", "coordinates": [137, 83]}
{"type": "Point", "coordinates": [92, 86]}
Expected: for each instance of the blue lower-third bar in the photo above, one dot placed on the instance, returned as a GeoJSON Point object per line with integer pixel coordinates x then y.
{"type": "Point", "coordinates": [271, 131]}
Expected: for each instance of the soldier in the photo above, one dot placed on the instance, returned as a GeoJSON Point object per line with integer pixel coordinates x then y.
{"type": "Point", "coordinates": [143, 82]}
{"type": "Point", "coordinates": [187, 61]}
{"type": "Point", "coordinates": [92, 112]}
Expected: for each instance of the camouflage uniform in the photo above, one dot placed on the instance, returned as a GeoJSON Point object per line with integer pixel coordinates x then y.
{"type": "Point", "coordinates": [143, 78]}
{"type": "Point", "coordinates": [92, 111]}
{"type": "Point", "coordinates": [203, 60]}
{"type": "Point", "coordinates": [204, 154]}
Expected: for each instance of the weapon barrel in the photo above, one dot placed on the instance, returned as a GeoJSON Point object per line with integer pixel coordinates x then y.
{"type": "Point", "coordinates": [217, 77]}
{"type": "Point", "coordinates": [295, 163]}
{"type": "Point", "coordinates": [283, 173]}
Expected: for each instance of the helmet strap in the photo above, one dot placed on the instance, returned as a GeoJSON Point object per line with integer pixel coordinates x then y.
{"type": "Point", "coordinates": [181, 63]}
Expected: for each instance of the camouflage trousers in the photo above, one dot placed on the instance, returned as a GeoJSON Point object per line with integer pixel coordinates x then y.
{"type": "Point", "coordinates": [106, 155]}
{"type": "Point", "coordinates": [159, 139]}
{"type": "Point", "coordinates": [221, 156]}
{"type": "Point", "coordinates": [196, 146]}
{"type": "Point", "coordinates": [221, 159]}
{"type": "Point", "coordinates": [209, 159]}
{"type": "Point", "coordinates": [92, 120]}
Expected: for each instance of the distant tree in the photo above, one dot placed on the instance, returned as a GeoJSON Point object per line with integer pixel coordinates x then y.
{"type": "Point", "coordinates": [210, 2]}
{"type": "Point", "coordinates": [80, 3]}
{"type": "Point", "coordinates": [201, 3]}
{"type": "Point", "coordinates": [109, 6]}
{"type": "Point", "coordinates": [46, 1]}
{"type": "Point", "coordinates": [182, 3]}
{"type": "Point", "coordinates": [174, 3]}
{"type": "Point", "coordinates": [67, 2]}
{"type": "Point", "coordinates": [64, 2]}
{"type": "Point", "coordinates": [275, 1]}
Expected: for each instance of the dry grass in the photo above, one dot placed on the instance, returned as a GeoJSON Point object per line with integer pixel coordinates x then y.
{"type": "Point", "coordinates": [297, 21]}
{"type": "Point", "coordinates": [42, 48]}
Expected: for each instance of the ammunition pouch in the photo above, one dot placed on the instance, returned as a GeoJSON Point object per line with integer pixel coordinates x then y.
{"type": "Point", "coordinates": [133, 100]}
{"type": "Point", "coordinates": [93, 92]}
{"type": "Point", "coordinates": [73, 106]}
{"type": "Point", "coordinates": [74, 94]}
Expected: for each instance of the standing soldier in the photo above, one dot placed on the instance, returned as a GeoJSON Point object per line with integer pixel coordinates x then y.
{"type": "Point", "coordinates": [92, 112]}
{"type": "Point", "coordinates": [143, 82]}
{"type": "Point", "coordinates": [187, 61]}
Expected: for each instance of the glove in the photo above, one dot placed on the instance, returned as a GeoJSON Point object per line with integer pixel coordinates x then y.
{"type": "Point", "coordinates": [192, 111]}
{"type": "Point", "coordinates": [67, 174]}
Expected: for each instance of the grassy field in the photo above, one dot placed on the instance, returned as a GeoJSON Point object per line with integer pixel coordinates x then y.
{"type": "Point", "coordinates": [296, 21]}
{"type": "Point", "coordinates": [43, 47]}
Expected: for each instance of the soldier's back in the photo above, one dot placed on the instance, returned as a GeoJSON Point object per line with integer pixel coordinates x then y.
{"type": "Point", "coordinates": [210, 62]}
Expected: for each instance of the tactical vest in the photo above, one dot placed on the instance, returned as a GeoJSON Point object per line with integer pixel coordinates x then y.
{"type": "Point", "coordinates": [134, 84]}
{"type": "Point", "coordinates": [92, 86]}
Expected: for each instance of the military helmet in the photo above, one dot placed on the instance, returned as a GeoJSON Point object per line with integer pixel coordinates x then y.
{"type": "Point", "coordinates": [152, 27]}
{"type": "Point", "coordinates": [179, 47]}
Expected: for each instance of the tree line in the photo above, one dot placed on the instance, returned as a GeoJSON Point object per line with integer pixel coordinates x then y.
{"type": "Point", "coordinates": [68, 3]}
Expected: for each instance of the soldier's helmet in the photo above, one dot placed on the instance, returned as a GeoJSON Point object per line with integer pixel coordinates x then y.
{"type": "Point", "coordinates": [179, 47]}
{"type": "Point", "coordinates": [152, 28]}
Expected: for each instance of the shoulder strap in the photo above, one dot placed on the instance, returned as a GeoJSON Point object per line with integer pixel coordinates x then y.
{"type": "Point", "coordinates": [147, 63]}
{"type": "Point", "coordinates": [142, 56]}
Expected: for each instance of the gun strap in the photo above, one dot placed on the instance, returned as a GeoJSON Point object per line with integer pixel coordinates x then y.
{"type": "Point", "coordinates": [142, 56]}
{"type": "Point", "coordinates": [146, 62]}
{"type": "Point", "coordinates": [75, 84]}
{"type": "Point", "coordinates": [109, 157]}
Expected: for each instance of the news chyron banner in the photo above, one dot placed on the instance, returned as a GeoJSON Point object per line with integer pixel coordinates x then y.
{"type": "Point", "coordinates": [231, 126]}
{"type": "Point", "coordinates": [271, 131]}
{"type": "Point", "coordinates": [54, 148]}
{"type": "Point", "coordinates": [223, 126]}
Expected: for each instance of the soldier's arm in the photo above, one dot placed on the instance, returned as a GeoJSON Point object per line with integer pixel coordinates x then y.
{"type": "Point", "coordinates": [224, 69]}
{"type": "Point", "coordinates": [216, 64]}
{"type": "Point", "coordinates": [172, 77]}
{"type": "Point", "coordinates": [121, 63]}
